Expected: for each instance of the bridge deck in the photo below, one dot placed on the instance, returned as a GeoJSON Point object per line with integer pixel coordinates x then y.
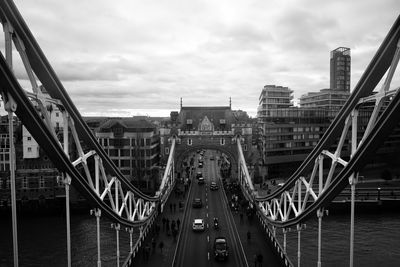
{"type": "Point", "coordinates": [257, 245]}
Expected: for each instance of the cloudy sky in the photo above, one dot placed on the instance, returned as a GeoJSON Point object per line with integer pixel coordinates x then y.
{"type": "Point", "coordinates": [130, 57]}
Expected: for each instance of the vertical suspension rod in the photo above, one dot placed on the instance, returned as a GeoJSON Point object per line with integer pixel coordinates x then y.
{"type": "Point", "coordinates": [320, 213]}
{"type": "Point", "coordinates": [352, 182]}
{"type": "Point", "coordinates": [67, 182]}
{"type": "Point", "coordinates": [10, 107]}
{"type": "Point", "coordinates": [298, 244]}
{"type": "Point", "coordinates": [97, 213]}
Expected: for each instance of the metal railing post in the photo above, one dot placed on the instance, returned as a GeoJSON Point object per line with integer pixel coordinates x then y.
{"type": "Point", "coordinates": [320, 214]}
{"type": "Point", "coordinates": [284, 240]}
{"type": "Point", "coordinates": [299, 227]}
{"type": "Point", "coordinates": [117, 227]}
{"type": "Point", "coordinates": [97, 213]}
{"type": "Point", "coordinates": [353, 181]}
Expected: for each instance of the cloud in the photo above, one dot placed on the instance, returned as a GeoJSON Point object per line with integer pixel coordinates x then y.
{"type": "Point", "coordinates": [132, 55]}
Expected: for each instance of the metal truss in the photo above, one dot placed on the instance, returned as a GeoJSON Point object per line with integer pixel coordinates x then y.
{"type": "Point", "coordinates": [308, 189]}
{"type": "Point", "coordinates": [243, 173]}
{"type": "Point", "coordinates": [91, 172]}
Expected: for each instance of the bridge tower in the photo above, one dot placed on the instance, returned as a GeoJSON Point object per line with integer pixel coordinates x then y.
{"type": "Point", "coordinates": [208, 127]}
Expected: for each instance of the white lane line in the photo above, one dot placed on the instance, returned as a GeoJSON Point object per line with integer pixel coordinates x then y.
{"type": "Point", "coordinates": [207, 214]}
{"type": "Point", "coordinates": [208, 239]}
{"type": "Point", "coordinates": [207, 207]}
{"type": "Point", "coordinates": [208, 255]}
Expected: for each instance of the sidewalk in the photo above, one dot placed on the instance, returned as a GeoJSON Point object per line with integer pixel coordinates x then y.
{"type": "Point", "coordinates": [258, 243]}
{"type": "Point", "coordinates": [157, 256]}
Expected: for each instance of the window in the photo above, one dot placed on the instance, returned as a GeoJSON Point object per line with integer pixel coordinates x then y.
{"type": "Point", "coordinates": [189, 142]}
{"type": "Point", "coordinates": [29, 149]}
{"type": "Point", "coordinates": [245, 148]}
{"type": "Point", "coordinates": [167, 150]}
{"type": "Point", "coordinates": [57, 114]}
{"type": "Point", "coordinates": [24, 182]}
{"type": "Point", "coordinates": [41, 182]}
{"type": "Point", "coordinates": [29, 138]}
{"type": "Point", "coordinates": [222, 141]}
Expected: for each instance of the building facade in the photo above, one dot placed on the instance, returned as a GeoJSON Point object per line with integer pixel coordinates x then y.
{"type": "Point", "coordinates": [287, 133]}
{"type": "Point", "coordinates": [330, 100]}
{"type": "Point", "coordinates": [213, 127]}
{"type": "Point", "coordinates": [340, 69]}
{"type": "Point", "coordinates": [133, 146]}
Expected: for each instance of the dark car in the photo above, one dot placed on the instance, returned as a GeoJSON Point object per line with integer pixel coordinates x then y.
{"type": "Point", "coordinates": [213, 186]}
{"type": "Point", "coordinates": [200, 180]}
{"type": "Point", "coordinates": [199, 174]}
{"type": "Point", "coordinates": [197, 203]}
{"type": "Point", "coordinates": [220, 248]}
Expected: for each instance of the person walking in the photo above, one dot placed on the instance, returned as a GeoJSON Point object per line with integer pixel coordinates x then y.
{"type": "Point", "coordinates": [259, 259]}
{"type": "Point", "coordinates": [161, 246]}
{"type": "Point", "coordinates": [153, 245]}
{"type": "Point", "coordinates": [167, 226]}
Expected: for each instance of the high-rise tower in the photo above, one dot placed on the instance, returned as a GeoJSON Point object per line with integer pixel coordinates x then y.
{"type": "Point", "coordinates": [340, 69]}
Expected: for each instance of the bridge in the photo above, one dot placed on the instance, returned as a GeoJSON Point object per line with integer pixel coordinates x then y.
{"type": "Point", "coordinates": [305, 194]}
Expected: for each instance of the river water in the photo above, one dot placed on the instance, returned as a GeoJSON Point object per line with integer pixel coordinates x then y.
{"type": "Point", "coordinates": [42, 241]}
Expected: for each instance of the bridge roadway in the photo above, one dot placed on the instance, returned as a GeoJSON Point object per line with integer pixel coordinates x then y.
{"type": "Point", "coordinates": [196, 248]}
{"type": "Point", "coordinates": [199, 246]}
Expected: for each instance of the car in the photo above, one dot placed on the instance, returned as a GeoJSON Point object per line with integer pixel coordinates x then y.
{"type": "Point", "coordinates": [198, 225]}
{"type": "Point", "coordinates": [200, 164]}
{"type": "Point", "coordinates": [199, 174]}
{"type": "Point", "coordinates": [220, 248]}
{"type": "Point", "coordinates": [197, 203]}
{"type": "Point", "coordinates": [200, 180]}
{"type": "Point", "coordinates": [211, 157]}
{"type": "Point", "coordinates": [213, 186]}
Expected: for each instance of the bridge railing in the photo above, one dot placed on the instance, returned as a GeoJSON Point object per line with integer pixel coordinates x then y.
{"type": "Point", "coordinates": [92, 172]}
{"type": "Point", "coordinates": [310, 189]}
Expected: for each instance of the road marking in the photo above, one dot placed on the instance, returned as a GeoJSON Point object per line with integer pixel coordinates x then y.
{"type": "Point", "coordinates": [207, 214]}
{"type": "Point", "coordinates": [208, 239]}
{"type": "Point", "coordinates": [208, 255]}
{"type": "Point", "coordinates": [207, 207]}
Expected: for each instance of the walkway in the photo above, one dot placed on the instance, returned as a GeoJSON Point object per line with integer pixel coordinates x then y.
{"type": "Point", "coordinates": [164, 256]}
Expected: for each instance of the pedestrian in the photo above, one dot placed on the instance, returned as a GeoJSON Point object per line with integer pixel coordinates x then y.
{"type": "Point", "coordinates": [260, 259]}
{"type": "Point", "coordinates": [163, 223]}
{"type": "Point", "coordinates": [173, 225]}
{"type": "Point", "coordinates": [161, 246]}
{"type": "Point", "coordinates": [146, 252]}
{"type": "Point", "coordinates": [153, 244]}
{"type": "Point", "coordinates": [157, 230]}
{"type": "Point", "coordinates": [174, 234]}
{"type": "Point", "coordinates": [248, 236]}
{"type": "Point", "coordinates": [178, 222]}
{"type": "Point", "coordinates": [167, 227]}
